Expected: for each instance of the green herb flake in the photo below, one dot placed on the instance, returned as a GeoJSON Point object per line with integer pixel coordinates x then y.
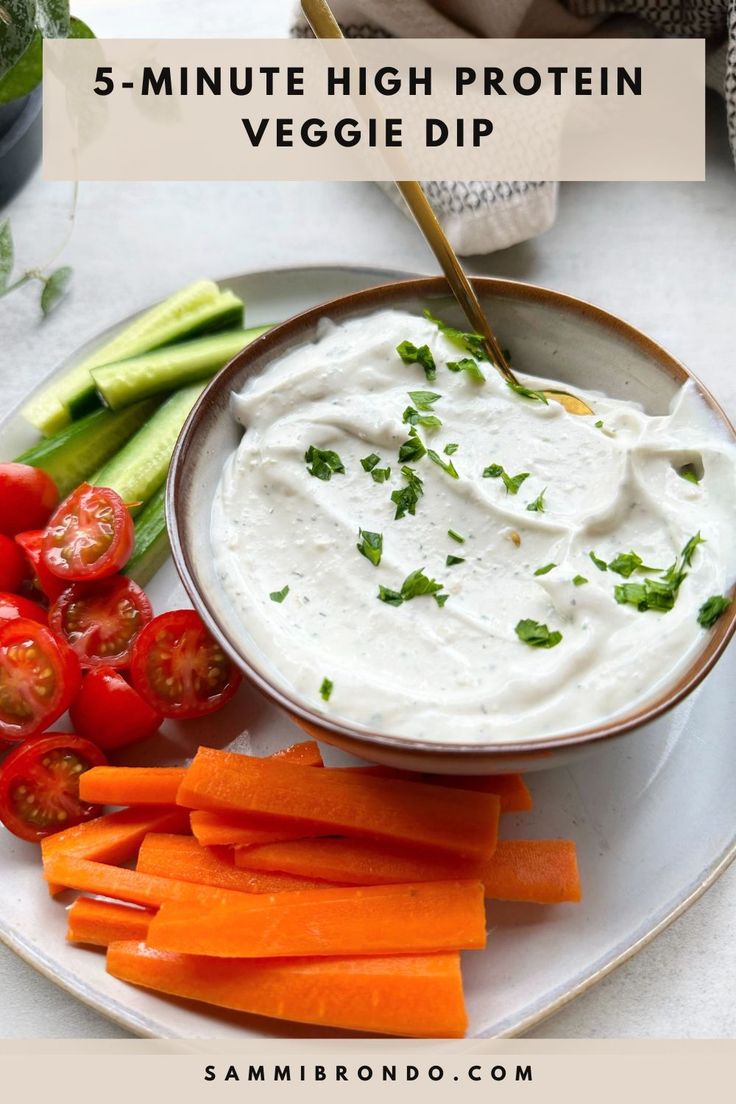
{"type": "Point", "coordinates": [380, 475]}
{"type": "Point", "coordinates": [326, 689]}
{"type": "Point", "coordinates": [599, 424]}
{"type": "Point", "coordinates": [537, 506]}
{"type": "Point", "coordinates": [689, 473]}
{"type": "Point", "coordinates": [469, 366]}
{"type": "Point", "coordinates": [510, 482]}
{"type": "Point", "coordinates": [413, 417]}
{"type": "Point", "coordinates": [407, 497]}
{"type": "Point", "coordinates": [473, 343]}
{"type": "Point", "coordinates": [455, 536]}
{"type": "Point", "coordinates": [278, 595]}
{"type": "Point", "coordinates": [546, 569]}
{"type": "Point", "coordinates": [390, 597]}
{"type": "Point", "coordinates": [370, 545]}
{"type": "Point", "coordinates": [579, 580]}
{"type": "Point", "coordinates": [452, 560]}
{"type": "Point", "coordinates": [422, 355]}
{"type": "Point", "coordinates": [599, 563]}
{"type": "Point", "coordinates": [322, 463]}
{"type": "Point", "coordinates": [536, 635]}
{"type": "Point", "coordinates": [527, 393]}
{"type": "Point", "coordinates": [447, 466]}
{"type": "Point", "coordinates": [451, 449]}
{"type": "Point", "coordinates": [711, 610]}
{"type": "Point", "coordinates": [689, 549]}
{"type": "Point", "coordinates": [440, 599]}
{"type": "Point", "coordinates": [368, 463]}
{"type": "Point", "coordinates": [626, 563]}
{"type": "Point", "coordinates": [415, 585]}
{"type": "Point", "coordinates": [423, 400]}
{"type": "Point", "coordinates": [650, 594]}
{"type": "Point", "coordinates": [413, 448]}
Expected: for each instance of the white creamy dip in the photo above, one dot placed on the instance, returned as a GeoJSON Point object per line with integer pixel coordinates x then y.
{"type": "Point", "coordinates": [459, 672]}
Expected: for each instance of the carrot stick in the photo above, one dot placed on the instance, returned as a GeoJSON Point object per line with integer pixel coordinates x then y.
{"type": "Point", "coordinates": [512, 790]}
{"type": "Point", "coordinates": [220, 829]}
{"type": "Point", "coordinates": [100, 923]}
{"type": "Point", "coordinates": [339, 920]}
{"type": "Point", "coordinates": [327, 801]}
{"type": "Point", "coordinates": [539, 871]}
{"type": "Point", "coordinates": [181, 857]}
{"type": "Point", "coordinates": [414, 995]}
{"type": "Point", "coordinates": [159, 785]}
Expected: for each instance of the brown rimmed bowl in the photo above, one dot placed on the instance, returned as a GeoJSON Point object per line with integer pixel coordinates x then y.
{"type": "Point", "coordinates": [553, 335]}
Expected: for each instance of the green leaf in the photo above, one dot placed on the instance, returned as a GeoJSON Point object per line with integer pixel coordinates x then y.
{"type": "Point", "coordinates": [599, 424]}
{"type": "Point", "coordinates": [510, 482]}
{"type": "Point", "coordinates": [323, 463]}
{"type": "Point", "coordinates": [54, 288]}
{"type": "Point", "coordinates": [440, 599]}
{"type": "Point", "coordinates": [546, 569]}
{"type": "Point", "coordinates": [368, 463]}
{"type": "Point", "coordinates": [17, 27]}
{"type": "Point", "coordinates": [447, 466]}
{"type": "Point", "coordinates": [418, 584]}
{"type": "Point", "coordinates": [526, 393]}
{"type": "Point", "coordinates": [279, 595]}
{"type": "Point", "coordinates": [413, 417]}
{"type": "Point", "coordinates": [599, 563]}
{"type": "Point", "coordinates": [25, 74]}
{"type": "Point", "coordinates": [413, 448]}
{"type": "Point", "coordinates": [689, 549]}
{"type": "Point", "coordinates": [536, 635]}
{"type": "Point", "coordinates": [469, 366]}
{"type": "Point", "coordinates": [370, 545]}
{"type": "Point", "coordinates": [537, 506]}
{"type": "Point", "coordinates": [79, 29]}
{"type": "Point", "coordinates": [326, 689]}
{"type": "Point", "coordinates": [52, 18]}
{"type": "Point", "coordinates": [380, 475]}
{"type": "Point", "coordinates": [452, 560]}
{"type": "Point", "coordinates": [407, 497]}
{"type": "Point", "coordinates": [579, 580]}
{"type": "Point", "coordinates": [711, 610]}
{"type": "Point", "coordinates": [390, 597]}
{"type": "Point", "coordinates": [651, 594]}
{"type": "Point", "coordinates": [626, 563]}
{"type": "Point", "coordinates": [411, 354]}
{"type": "Point", "coordinates": [6, 254]}
{"type": "Point", "coordinates": [423, 400]}
{"type": "Point", "coordinates": [451, 449]}
{"type": "Point", "coordinates": [455, 536]}
{"type": "Point", "coordinates": [472, 342]}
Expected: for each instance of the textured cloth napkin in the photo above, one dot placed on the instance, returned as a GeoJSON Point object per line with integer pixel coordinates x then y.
{"type": "Point", "coordinates": [481, 216]}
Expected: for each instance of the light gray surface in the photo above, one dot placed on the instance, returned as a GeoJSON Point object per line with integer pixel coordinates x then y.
{"type": "Point", "coordinates": [661, 255]}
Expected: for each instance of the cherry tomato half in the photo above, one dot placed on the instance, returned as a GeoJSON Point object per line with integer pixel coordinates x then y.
{"type": "Point", "coordinates": [13, 567]}
{"type": "Point", "coordinates": [101, 620]}
{"type": "Point", "coordinates": [179, 668]}
{"type": "Point", "coordinates": [47, 583]}
{"type": "Point", "coordinates": [90, 535]}
{"type": "Point", "coordinates": [110, 712]}
{"type": "Point", "coordinates": [39, 678]}
{"type": "Point", "coordinates": [27, 497]}
{"type": "Point", "coordinates": [13, 606]}
{"type": "Point", "coordinates": [39, 785]}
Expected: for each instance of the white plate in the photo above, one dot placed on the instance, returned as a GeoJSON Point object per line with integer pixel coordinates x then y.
{"type": "Point", "coordinates": [653, 821]}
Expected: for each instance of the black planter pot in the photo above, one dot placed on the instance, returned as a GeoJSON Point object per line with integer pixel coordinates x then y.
{"type": "Point", "coordinates": [20, 142]}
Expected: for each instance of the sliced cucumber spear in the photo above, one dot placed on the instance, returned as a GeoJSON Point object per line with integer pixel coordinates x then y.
{"type": "Point", "coordinates": [137, 471]}
{"type": "Point", "coordinates": [199, 308]}
{"type": "Point", "coordinates": [128, 381]}
{"type": "Point", "coordinates": [74, 453]}
{"type": "Point", "coordinates": [151, 540]}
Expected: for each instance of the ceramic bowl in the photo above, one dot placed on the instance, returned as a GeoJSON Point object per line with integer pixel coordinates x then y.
{"type": "Point", "coordinates": [553, 335]}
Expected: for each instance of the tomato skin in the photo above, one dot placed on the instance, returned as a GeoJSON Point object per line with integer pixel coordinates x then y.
{"type": "Point", "coordinates": [100, 620]}
{"type": "Point", "coordinates": [39, 785]}
{"type": "Point", "coordinates": [179, 668]}
{"type": "Point", "coordinates": [13, 606]}
{"type": "Point", "coordinates": [110, 712]}
{"type": "Point", "coordinates": [39, 679]}
{"type": "Point", "coordinates": [90, 535]}
{"type": "Point", "coordinates": [13, 567]}
{"type": "Point", "coordinates": [27, 497]}
{"type": "Point", "coordinates": [32, 545]}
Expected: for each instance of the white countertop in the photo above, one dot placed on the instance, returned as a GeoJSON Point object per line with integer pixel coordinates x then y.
{"type": "Point", "coordinates": [663, 256]}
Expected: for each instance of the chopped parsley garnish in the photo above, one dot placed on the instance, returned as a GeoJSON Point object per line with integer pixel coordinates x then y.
{"type": "Point", "coordinates": [527, 393]}
{"type": "Point", "coordinates": [413, 448]}
{"type": "Point", "coordinates": [510, 482]}
{"type": "Point", "coordinates": [325, 689]}
{"type": "Point", "coordinates": [278, 595]}
{"type": "Point", "coordinates": [537, 506]}
{"type": "Point", "coordinates": [411, 354]}
{"type": "Point", "coordinates": [380, 475]}
{"type": "Point", "coordinates": [440, 599]}
{"type": "Point", "coordinates": [446, 465]}
{"type": "Point", "coordinates": [469, 366]}
{"type": "Point", "coordinates": [415, 585]}
{"type": "Point", "coordinates": [626, 563]}
{"type": "Point", "coordinates": [689, 549]}
{"type": "Point", "coordinates": [406, 499]}
{"type": "Point", "coordinates": [368, 463]}
{"type": "Point", "coordinates": [455, 536]}
{"type": "Point", "coordinates": [546, 569]}
{"type": "Point", "coordinates": [323, 463]}
{"type": "Point", "coordinates": [536, 635]}
{"type": "Point", "coordinates": [599, 563]}
{"type": "Point", "coordinates": [451, 449]}
{"type": "Point", "coordinates": [413, 417]}
{"type": "Point", "coordinates": [472, 342]}
{"type": "Point", "coordinates": [659, 594]}
{"type": "Point", "coordinates": [370, 545]}
{"type": "Point", "coordinates": [711, 610]}
{"type": "Point", "coordinates": [579, 580]}
{"type": "Point", "coordinates": [599, 424]}
{"type": "Point", "coordinates": [452, 560]}
{"type": "Point", "coordinates": [689, 473]}
{"type": "Point", "coordinates": [423, 400]}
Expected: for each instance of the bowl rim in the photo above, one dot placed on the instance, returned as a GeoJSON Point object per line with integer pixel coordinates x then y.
{"type": "Point", "coordinates": [353, 735]}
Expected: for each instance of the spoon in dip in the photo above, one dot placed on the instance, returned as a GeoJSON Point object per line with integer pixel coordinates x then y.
{"type": "Point", "coordinates": [324, 25]}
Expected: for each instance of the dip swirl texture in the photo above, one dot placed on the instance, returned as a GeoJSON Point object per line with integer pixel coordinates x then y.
{"type": "Point", "coordinates": [459, 672]}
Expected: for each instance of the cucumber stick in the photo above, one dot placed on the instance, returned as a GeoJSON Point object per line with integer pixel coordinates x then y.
{"type": "Point", "coordinates": [151, 540]}
{"type": "Point", "coordinates": [137, 471]}
{"type": "Point", "coordinates": [165, 369]}
{"type": "Point", "coordinates": [197, 309]}
{"type": "Point", "coordinates": [74, 453]}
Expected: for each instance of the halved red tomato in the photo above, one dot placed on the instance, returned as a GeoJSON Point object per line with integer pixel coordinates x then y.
{"type": "Point", "coordinates": [32, 544]}
{"type": "Point", "coordinates": [179, 668]}
{"type": "Point", "coordinates": [110, 712]}
{"type": "Point", "coordinates": [101, 620]}
{"type": "Point", "coordinates": [39, 785]}
{"type": "Point", "coordinates": [13, 606]}
{"type": "Point", "coordinates": [39, 678]}
{"type": "Point", "coordinates": [90, 535]}
{"type": "Point", "coordinates": [27, 497]}
{"type": "Point", "coordinates": [13, 567]}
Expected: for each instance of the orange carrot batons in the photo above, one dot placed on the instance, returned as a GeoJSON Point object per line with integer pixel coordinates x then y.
{"type": "Point", "coordinates": [542, 871]}
{"type": "Point", "coordinates": [115, 837]}
{"type": "Point", "coordinates": [221, 830]}
{"type": "Point", "coordinates": [131, 785]}
{"type": "Point", "coordinates": [414, 995]}
{"type": "Point", "coordinates": [99, 923]}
